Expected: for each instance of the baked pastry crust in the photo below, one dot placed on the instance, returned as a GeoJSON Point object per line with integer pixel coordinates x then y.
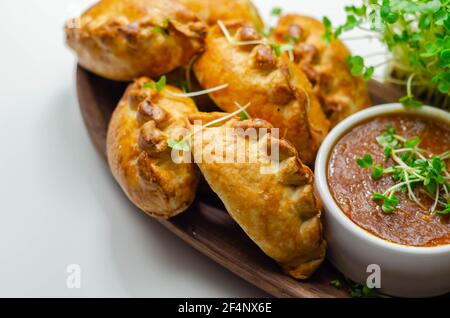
{"type": "Point", "coordinates": [125, 39]}
{"type": "Point", "coordinates": [225, 10]}
{"type": "Point", "coordinates": [138, 152]}
{"type": "Point", "coordinates": [340, 93]}
{"type": "Point", "coordinates": [277, 89]}
{"type": "Point", "coordinates": [278, 211]}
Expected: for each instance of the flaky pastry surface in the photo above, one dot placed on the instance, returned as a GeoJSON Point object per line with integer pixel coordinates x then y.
{"type": "Point", "coordinates": [278, 211]}
{"type": "Point", "coordinates": [126, 39]}
{"type": "Point", "coordinates": [138, 152]}
{"type": "Point", "coordinates": [340, 93]}
{"type": "Point", "coordinates": [277, 89]}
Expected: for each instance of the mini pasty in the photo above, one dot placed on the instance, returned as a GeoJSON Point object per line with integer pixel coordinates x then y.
{"type": "Point", "coordinates": [277, 89]}
{"type": "Point", "coordinates": [278, 211]}
{"type": "Point", "coordinates": [225, 10]}
{"type": "Point", "coordinates": [124, 39]}
{"type": "Point", "coordinates": [340, 93]}
{"type": "Point", "coordinates": [138, 152]}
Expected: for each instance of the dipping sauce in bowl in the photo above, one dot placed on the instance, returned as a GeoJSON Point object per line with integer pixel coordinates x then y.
{"type": "Point", "coordinates": [396, 235]}
{"type": "Point", "coordinates": [352, 186]}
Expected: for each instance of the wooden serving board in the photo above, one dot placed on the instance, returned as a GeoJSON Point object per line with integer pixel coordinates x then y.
{"type": "Point", "coordinates": [206, 225]}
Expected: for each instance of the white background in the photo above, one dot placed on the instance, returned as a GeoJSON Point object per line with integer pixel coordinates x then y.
{"type": "Point", "coordinates": [59, 205]}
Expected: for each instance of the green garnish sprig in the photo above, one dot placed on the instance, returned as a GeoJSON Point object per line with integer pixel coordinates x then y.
{"type": "Point", "coordinates": [159, 85]}
{"type": "Point", "coordinates": [277, 48]}
{"type": "Point", "coordinates": [358, 68]}
{"type": "Point", "coordinates": [184, 144]}
{"type": "Point", "coordinates": [416, 33]}
{"type": "Point", "coordinates": [362, 291]}
{"type": "Point", "coordinates": [163, 28]}
{"type": "Point", "coordinates": [412, 168]}
{"type": "Point", "coordinates": [355, 290]}
{"type": "Point", "coordinates": [275, 15]}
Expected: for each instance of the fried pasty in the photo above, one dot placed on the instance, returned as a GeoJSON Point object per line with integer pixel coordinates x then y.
{"type": "Point", "coordinates": [225, 10]}
{"type": "Point", "coordinates": [138, 152]}
{"type": "Point", "coordinates": [278, 211]}
{"type": "Point", "coordinates": [124, 39]}
{"type": "Point", "coordinates": [277, 89]}
{"type": "Point", "coordinates": [340, 93]}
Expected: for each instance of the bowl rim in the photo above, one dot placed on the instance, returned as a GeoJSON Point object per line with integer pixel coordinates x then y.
{"type": "Point", "coordinates": [321, 171]}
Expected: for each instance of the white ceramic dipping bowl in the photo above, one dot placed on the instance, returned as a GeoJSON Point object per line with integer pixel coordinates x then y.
{"type": "Point", "coordinates": [406, 271]}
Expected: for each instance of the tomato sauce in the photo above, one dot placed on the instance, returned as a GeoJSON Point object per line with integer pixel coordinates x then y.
{"type": "Point", "coordinates": [353, 188]}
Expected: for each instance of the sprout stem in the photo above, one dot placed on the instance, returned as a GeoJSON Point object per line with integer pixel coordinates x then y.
{"type": "Point", "coordinates": [410, 168]}
{"type": "Point", "coordinates": [225, 31]}
{"type": "Point", "coordinates": [188, 72]}
{"type": "Point", "coordinates": [203, 92]}
{"type": "Point", "coordinates": [218, 120]}
{"type": "Point", "coordinates": [435, 200]}
{"type": "Point", "coordinates": [359, 37]}
{"type": "Point", "coordinates": [382, 63]}
{"type": "Point", "coordinates": [365, 29]}
{"type": "Point", "coordinates": [411, 192]}
{"type": "Point", "coordinates": [408, 84]}
{"type": "Point", "coordinates": [375, 54]}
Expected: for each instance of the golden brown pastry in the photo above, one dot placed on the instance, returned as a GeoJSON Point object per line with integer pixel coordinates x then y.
{"type": "Point", "coordinates": [138, 152]}
{"type": "Point", "coordinates": [278, 90]}
{"type": "Point", "coordinates": [278, 211]}
{"type": "Point", "coordinates": [340, 93]}
{"type": "Point", "coordinates": [125, 39]}
{"type": "Point", "coordinates": [213, 10]}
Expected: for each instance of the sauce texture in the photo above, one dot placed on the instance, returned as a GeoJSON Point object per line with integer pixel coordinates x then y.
{"type": "Point", "coordinates": [353, 188]}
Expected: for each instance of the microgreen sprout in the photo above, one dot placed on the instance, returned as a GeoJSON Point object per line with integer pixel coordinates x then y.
{"type": "Point", "coordinates": [444, 211]}
{"type": "Point", "coordinates": [178, 144]}
{"type": "Point", "coordinates": [417, 35]}
{"type": "Point", "coordinates": [365, 162]}
{"type": "Point", "coordinates": [159, 85]}
{"type": "Point", "coordinates": [243, 115]}
{"type": "Point", "coordinates": [412, 167]}
{"type": "Point", "coordinates": [232, 39]}
{"type": "Point", "coordinates": [277, 11]}
{"type": "Point", "coordinates": [203, 92]}
{"type": "Point", "coordinates": [388, 202]}
{"type": "Point", "coordinates": [188, 70]}
{"type": "Point", "coordinates": [184, 144]}
{"type": "Point", "coordinates": [336, 283]}
{"type": "Point", "coordinates": [292, 39]}
{"type": "Point", "coordinates": [275, 14]}
{"type": "Point", "coordinates": [164, 29]}
{"type": "Point", "coordinates": [357, 67]}
{"type": "Point", "coordinates": [160, 29]}
{"type": "Point", "coordinates": [278, 49]}
{"type": "Point", "coordinates": [362, 291]}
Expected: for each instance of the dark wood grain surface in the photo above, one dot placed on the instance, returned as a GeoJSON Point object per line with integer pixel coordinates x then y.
{"type": "Point", "coordinates": [206, 226]}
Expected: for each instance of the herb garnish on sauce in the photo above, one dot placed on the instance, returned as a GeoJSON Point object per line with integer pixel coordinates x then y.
{"type": "Point", "coordinates": [413, 168]}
